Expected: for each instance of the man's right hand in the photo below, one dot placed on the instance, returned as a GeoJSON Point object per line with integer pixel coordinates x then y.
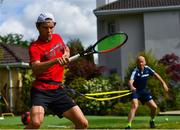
{"type": "Point", "coordinates": [133, 89]}
{"type": "Point", "coordinates": [62, 61]}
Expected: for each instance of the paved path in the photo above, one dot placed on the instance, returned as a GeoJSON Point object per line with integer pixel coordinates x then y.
{"type": "Point", "coordinates": [177, 112]}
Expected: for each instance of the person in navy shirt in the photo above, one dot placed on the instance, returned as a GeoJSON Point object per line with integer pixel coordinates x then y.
{"type": "Point", "coordinates": [138, 83]}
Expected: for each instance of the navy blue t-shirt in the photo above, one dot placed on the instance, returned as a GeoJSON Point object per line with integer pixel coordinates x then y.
{"type": "Point", "coordinates": [140, 77]}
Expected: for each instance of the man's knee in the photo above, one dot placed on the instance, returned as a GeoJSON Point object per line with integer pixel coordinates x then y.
{"type": "Point", "coordinates": [134, 106]}
{"type": "Point", "coordinates": [83, 124]}
{"type": "Point", "coordinates": [154, 108]}
{"type": "Point", "coordinates": [33, 125]}
{"type": "Point", "coordinates": [36, 124]}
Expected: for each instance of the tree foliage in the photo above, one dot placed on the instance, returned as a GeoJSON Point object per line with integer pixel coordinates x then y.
{"type": "Point", "coordinates": [83, 67]}
{"type": "Point", "coordinates": [14, 39]}
{"type": "Point", "coordinates": [27, 82]}
{"type": "Point", "coordinates": [172, 62]}
{"type": "Point", "coordinates": [76, 47]}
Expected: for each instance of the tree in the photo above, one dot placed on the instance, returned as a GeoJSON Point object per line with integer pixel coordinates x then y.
{"type": "Point", "coordinates": [14, 39]}
{"type": "Point", "coordinates": [76, 47]}
{"type": "Point", "coordinates": [83, 67]}
{"type": "Point", "coordinates": [172, 62]}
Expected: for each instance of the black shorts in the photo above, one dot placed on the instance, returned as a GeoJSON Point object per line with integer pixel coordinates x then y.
{"type": "Point", "coordinates": [143, 96]}
{"type": "Point", "coordinates": [55, 100]}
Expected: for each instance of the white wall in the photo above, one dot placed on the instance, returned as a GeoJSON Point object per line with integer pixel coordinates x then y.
{"type": "Point", "coordinates": [133, 26]}
{"type": "Point", "coordinates": [119, 59]}
{"type": "Point", "coordinates": [162, 33]}
{"type": "Point", "coordinates": [156, 31]}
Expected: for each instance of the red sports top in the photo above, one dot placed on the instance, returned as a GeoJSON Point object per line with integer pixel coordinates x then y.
{"type": "Point", "coordinates": [45, 51]}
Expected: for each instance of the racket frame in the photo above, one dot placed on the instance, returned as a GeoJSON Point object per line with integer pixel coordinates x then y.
{"type": "Point", "coordinates": [91, 49]}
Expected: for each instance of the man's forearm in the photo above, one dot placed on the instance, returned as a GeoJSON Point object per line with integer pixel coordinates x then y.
{"type": "Point", "coordinates": [40, 67]}
{"type": "Point", "coordinates": [159, 78]}
{"type": "Point", "coordinates": [131, 85]}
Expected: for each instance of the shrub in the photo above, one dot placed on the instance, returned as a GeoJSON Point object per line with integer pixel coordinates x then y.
{"type": "Point", "coordinates": [95, 85]}
{"type": "Point", "coordinates": [172, 63]}
{"type": "Point", "coordinates": [27, 82]}
{"type": "Point", "coordinates": [82, 68]}
{"type": "Point", "coordinates": [121, 109]}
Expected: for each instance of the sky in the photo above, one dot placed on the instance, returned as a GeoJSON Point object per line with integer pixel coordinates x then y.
{"type": "Point", "coordinates": [75, 18]}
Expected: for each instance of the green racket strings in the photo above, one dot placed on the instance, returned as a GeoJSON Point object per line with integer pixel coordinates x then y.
{"type": "Point", "coordinates": [111, 42]}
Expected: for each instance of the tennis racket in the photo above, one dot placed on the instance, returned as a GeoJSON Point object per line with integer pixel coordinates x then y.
{"type": "Point", "coordinates": [106, 44]}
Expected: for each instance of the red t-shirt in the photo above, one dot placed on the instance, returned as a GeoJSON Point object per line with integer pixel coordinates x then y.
{"type": "Point", "coordinates": [45, 51]}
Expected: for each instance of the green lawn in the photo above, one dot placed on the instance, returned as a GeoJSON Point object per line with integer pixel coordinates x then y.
{"type": "Point", "coordinates": [97, 122]}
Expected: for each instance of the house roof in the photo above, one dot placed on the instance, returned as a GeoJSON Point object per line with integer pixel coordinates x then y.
{"type": "Point", "coordinates": [138, 6]}
{"type": "Point", "coordinates": [13, 54]}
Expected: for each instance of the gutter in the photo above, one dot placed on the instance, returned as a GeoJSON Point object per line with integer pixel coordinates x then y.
{"type": "Point", "coordinates": [135, 10]}
{"type": "Point", "coordinates": [10, 89]}
{"type": "Point", "coordinates": [16, 64]}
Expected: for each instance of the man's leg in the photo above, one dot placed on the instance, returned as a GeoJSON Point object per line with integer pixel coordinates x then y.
{"type": "Point", "coordinates": [77, 117]}
{"type": "Point", "coordinates": [37, 116]}
{"type": "Point", "coordinates": [134, 106]}
{"type": "Point", "coordinates": [152, 105]}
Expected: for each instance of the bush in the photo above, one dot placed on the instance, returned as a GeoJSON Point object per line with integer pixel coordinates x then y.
{"type": "Point", "coordinates": [121, 109]}
{"type": "Point", "coordinates": [82, 68]}
{"type": "Point", "coordinates": [95, 85]}
{"type": "Point", "coordinates": [143, 110]}
{"type": "Point", "coordinates": [172, 63]}
{"type": "Point", "coordinates": [27, 82]}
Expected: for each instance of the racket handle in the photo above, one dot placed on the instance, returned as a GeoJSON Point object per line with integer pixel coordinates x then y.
{"type": "Point", "coordinates": [75, 57]}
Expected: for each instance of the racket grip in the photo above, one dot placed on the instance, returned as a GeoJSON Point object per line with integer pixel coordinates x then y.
{"type": "Point", "coordinates": [72, 58]}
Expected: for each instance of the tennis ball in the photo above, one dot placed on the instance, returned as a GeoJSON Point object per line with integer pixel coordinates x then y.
{"type": "Point", "coordinates": [166, 119]}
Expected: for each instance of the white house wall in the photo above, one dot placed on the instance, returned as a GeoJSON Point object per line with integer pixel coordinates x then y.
{"type": "Point", "coordinates": [110, 60]}
{"type": "Point", "coordinates": [162, 33]}
{"type": "Point", "coordinates": [118, 60]}
{"type": "Point", "coordinates": [133, 26]}
{"type": "Point", "coordinates": [155, 31]}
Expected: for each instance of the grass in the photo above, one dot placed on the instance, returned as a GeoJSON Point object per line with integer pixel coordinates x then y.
{"type": "Point", "coordinates": [97, 122]}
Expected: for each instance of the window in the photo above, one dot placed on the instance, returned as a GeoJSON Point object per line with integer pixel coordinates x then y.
{"type": "Point", "coordinates": [113, 71]}
{"type": "Point", "coordinates": [111, 27]}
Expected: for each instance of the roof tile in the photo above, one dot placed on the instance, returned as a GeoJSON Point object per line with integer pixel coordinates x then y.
{"type": "Point", "coordinates": [10, 53]}
{"type": "Point", "coordinates": [129, 4]}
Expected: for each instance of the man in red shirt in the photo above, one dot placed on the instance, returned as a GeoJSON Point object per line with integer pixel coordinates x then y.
{"type": "Point", "coordinates": [48, 55]}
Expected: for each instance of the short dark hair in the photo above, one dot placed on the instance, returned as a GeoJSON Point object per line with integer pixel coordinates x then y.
{"type": "Point", "coordinates": [39, 23]}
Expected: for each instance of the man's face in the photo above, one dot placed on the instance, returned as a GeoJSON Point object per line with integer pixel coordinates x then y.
{"type": "Point", "coordinates": [141, 62]}
{"type": "Point", "coordinates": [46, 30]}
